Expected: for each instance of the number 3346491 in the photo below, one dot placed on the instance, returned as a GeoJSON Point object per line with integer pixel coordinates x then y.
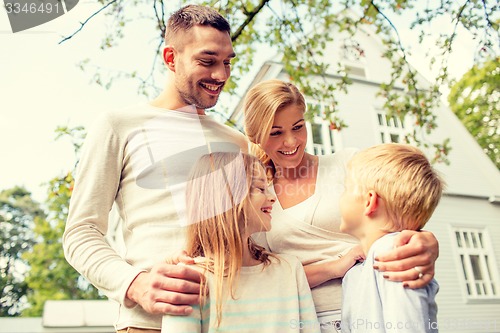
{"type": "Point", "coordinates": [32, 8]}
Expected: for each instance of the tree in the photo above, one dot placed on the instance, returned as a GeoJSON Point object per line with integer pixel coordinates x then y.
{"type": "Point", "coordinates": [300, 29]}
{"type": "Point", "coordinates": [33, 268]}
{"type": "Point", "coordinates": [50, 277]}
{"type": "Point", "coordinates": [475, 99]}
{"type": "Point", "coordinates": [18, 213]}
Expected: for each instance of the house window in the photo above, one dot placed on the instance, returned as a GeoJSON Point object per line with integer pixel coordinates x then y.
{"type": "Point", "coordinates": [353, 58]}
{"type": "Point", "coordinates": [477, 264]}
{"type": "Point", "coordinates": [391, 128]}
{"type": "Point", "coordinates": [321, 140]}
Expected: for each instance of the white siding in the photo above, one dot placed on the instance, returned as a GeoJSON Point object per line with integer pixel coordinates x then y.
{"type": "Point", "coordinates": [470, 172]}
{"type": "Point", "coordinates": [455, 314]}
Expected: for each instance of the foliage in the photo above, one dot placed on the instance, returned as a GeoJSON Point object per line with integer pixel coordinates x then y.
{"type": "Point", "coordinates": [32, 264]}
{"type": "Point", "coordinates": [475, 99]}
{"type": "Point", "coordinates": [18, 212]}
{"type": "Point", "coordinates": [300, 29]}
{"type": "Point", "coordinates": [50, 276]}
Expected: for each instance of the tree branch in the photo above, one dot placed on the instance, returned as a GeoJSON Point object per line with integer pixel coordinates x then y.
{"type": "Point", "coordinates": [250, 17]}
{"type": "Point", "coordinates": [87, 20]}
{"type": "Point", "coordinates": [454, 34]}
{"type": "Point", "coordinates": [489, 23]}
{"type": "Point", "coordinates": [412, 74]}
{"type": "Point", "coordinates": [151, 73]}
{"type": "Point", "coordinates": [161, 20]}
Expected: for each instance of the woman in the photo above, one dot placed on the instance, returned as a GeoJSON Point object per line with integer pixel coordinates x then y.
{"type": "Point", "coordinates": [306, 217]}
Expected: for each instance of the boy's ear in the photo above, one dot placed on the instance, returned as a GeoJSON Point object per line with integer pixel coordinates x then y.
{"type": "Point", "coordinates": [371, 202]}
{"type": "Point", "coordinates": [168, 57]}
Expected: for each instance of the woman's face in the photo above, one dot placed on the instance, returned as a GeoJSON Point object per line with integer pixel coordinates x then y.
{"type": "Point", "coordinates": [288, 137]}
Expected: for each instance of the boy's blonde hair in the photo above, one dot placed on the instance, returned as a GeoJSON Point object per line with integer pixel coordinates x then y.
{"type": "Point", "coordinates": [217, 211]}
{"type": "Point", "coordinates": [260, 106]}
{"type": "Point", "coordinates": [403, 177]}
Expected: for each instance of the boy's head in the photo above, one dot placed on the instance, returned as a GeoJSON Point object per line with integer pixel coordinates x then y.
{"type": "Point", "coordinates": [395, 180]}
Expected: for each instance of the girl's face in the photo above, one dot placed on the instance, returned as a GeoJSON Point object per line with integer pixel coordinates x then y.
{"type": "Point", "coordinates": [288, 137]}
{"type": "Point", "coordinates": [260, 202]}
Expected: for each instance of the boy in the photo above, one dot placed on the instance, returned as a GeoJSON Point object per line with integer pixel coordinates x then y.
{"type": "Point", "coordinates": [388, 188]}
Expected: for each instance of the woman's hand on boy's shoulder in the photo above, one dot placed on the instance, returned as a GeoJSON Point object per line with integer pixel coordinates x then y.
{"type": "Point", "coordinates": [413, 259]}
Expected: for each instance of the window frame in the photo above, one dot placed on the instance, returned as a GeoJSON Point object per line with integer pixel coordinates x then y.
{"type": "Point", "coordinates": [489, 284]}
{"type": "Point", "coordinates": [390, 127]}
{"type": "Point", "coordinates": [353, 59]}
{"type": "Point", "coordinates": [331, 139]}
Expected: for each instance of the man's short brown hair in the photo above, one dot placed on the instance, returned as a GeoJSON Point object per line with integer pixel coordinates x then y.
{"type": "Point", "coordinates": [192, 15]}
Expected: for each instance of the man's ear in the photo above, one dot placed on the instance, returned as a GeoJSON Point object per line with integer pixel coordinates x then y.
{"type": "Point", "coordinates": [168, 57]}
{"type": "Point", "coordinates": [371, 202]}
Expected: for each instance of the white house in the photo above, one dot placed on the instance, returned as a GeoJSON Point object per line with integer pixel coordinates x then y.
{"type": "Point", "coordinates": [466, 223]}
{"type": "Point", "coordinates": [467, 220]}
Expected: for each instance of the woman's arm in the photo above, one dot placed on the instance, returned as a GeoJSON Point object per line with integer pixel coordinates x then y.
{"type": "Point", "coordinates": [412, 249]}
{"type": "Point", "coordinates": [320, 273]}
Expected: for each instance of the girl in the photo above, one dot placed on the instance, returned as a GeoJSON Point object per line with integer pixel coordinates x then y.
{"type": "Point", "coordinates": [249, 289]}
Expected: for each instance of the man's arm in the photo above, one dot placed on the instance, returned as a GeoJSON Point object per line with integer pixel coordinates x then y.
{"type": "Point", "coordinates": [96, 186]}
{"type": "Point", "coordinates": [412, 249]}
{"type": "Point", "coordinates": [85, 246]}
{"type": "Point", "coordinates": [169, 288]}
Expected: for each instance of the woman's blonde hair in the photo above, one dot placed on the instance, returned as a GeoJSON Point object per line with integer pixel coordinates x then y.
{"type": "Point", "coordinates": [260, 106]}
{"type": "Point", "coordinates": [403, 177]}
{"type": "Point", "coordinates": [217, 212]}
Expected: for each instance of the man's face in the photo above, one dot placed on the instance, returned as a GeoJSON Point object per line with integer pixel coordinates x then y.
{"type": "Point", "coordinates": [203, 65]}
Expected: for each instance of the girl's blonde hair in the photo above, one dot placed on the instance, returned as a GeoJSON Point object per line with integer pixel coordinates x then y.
{"type": "Point", "coordinates": [217, 211]}
{"type": "Point", "coordinates": [260, 106]}
{"type": "Point", "coordinates": [403, 177]}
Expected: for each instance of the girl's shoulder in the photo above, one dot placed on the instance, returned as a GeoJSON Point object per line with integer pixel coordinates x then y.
{"type": "Point", "coordinates": [285, 259]}
{"type": "Point", "coordinates": [199, 265]}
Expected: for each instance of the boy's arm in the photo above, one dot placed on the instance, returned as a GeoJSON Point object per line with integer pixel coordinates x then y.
{"type": "Point", "coordinates": [408, 310]}
{"type": "Point", "coordinates": [412, 249]}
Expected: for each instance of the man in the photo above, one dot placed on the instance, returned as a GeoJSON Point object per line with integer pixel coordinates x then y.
{"type": "Point", "coordinates": [139, 159]}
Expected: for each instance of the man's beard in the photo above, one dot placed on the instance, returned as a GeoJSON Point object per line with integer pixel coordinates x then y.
{"type": "Point", "coordinates": [191, 95]}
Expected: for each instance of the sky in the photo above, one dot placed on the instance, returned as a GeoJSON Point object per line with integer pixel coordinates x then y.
{"type": "Point", "coordinates": [41, 88]}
